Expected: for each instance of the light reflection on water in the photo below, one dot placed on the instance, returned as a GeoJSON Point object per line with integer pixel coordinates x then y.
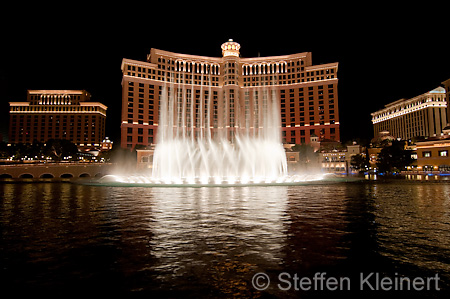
{"type": "Point", "coordinates": [210, 241]}
{"type": "Point", "coordinates": [418, 215]}
{"type": "Point", "coordinates": [227, 232]}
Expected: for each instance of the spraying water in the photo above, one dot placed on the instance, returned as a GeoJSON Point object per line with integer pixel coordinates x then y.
{"type": "Point", "coordinates": [216, 137]}
{"type": "Point", "coordinates": [191, 149]}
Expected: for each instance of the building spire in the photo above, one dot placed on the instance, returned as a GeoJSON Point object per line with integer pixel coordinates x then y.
{"type": "Point", "coordinates": [230, 48]}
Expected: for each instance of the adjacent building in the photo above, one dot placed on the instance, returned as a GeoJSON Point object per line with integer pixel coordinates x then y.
{"type": "Point", "coordinates": [421, 116]}
{"type": "Point", "coordinates": [339, 160]}
{"type": "Point", "coordinates": [307, 93]}
{"type": "Point", "coordinates": [58, 114]}
{"type": "Point", "coordinates": [434, 154]}
{"type": "Point", "coordinates": [446, 86]}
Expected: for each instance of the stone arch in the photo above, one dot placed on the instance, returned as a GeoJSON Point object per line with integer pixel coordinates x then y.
{"type": "Point", "coordinates": [26, 176]}
{"type": "Point", "coordinates": [46, 176]}
{"type": "Point", "coordinates": [5, 176]}
{"type": "Point", "coordinates": [216, 69]}
{"type": "Point", "coordinates": [244, 69]}
{"type": "Point", "coordinates": [84, 175]}
{"type": "Point", "coordinates": [283, 66]}
{"type": "Point", "coordinates": [263, 68]}
{"type": "Point", "coordinates": [66, 175]}
{"type": "Point", "coordinates": [252, 69]}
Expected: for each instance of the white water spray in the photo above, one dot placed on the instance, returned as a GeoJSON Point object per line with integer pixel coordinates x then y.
{"type": "Point", "coordinates": [211, 137]}
{"type": "Point", "coordinates": [217, 141]}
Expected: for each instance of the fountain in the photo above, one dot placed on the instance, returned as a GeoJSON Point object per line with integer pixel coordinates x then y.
{"type": "Point", "coordinates": [250, 152]}
{"type": "Point", "coordinates": [185, 154]}
{"type": "Point", "coordinates": [225, 137]}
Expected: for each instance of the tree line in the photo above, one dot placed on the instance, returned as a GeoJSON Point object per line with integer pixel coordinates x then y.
{"type": "Point", "coordinates": [392, 158]}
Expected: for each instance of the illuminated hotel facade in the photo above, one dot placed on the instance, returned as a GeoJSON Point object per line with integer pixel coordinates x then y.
{"type": "Point", "coordinates": [446, 85]}
{"type": "Point", "coordinates": [58, 114]}
{"type": "Point", "coordinates": [307, 93]}
{"type": "Point", "coordinates": [421, 116]}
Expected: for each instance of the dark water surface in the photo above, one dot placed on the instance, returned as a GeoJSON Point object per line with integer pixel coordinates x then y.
{"type": "Point", "coordinates": [62, 238]}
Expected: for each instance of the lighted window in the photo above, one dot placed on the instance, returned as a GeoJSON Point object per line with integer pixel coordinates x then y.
{"type": "Point", "coordinates": [443, 153]}
{"type": "Point", "coordinates": [426, 154]}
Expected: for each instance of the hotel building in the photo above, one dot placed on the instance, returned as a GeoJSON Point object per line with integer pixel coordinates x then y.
{"type": "Point", "coordinates": [339, 161]}
{"type": "Point", "coordinates": [58, 114]}
{"type": "Point", "coordinates": [307, 93]}
{"type": "Point", "coordinates": [446, 85]}
{"type": "Point", "coordinates": [424, 116]}
{"type": "Point", "coordinates": [433, 154]}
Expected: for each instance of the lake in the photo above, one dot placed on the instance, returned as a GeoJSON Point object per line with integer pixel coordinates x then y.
{"type": "Point", "coordinates": [64, 238]}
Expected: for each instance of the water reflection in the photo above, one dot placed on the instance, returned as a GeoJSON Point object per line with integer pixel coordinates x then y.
{"type": "Point", "coordinates": [227, 232]}
{"type": "Point", "coordinates": [52, 237]}
{"type": "Point", "coordinates": [209, 242]}
{"type": "Point", "coordinates": [413, 224]}
{"type": "Point", "coordinates": [316, 227]}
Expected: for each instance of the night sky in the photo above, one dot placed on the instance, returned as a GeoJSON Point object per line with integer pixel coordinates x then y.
{"type": "Point", "coordinates": [384, 53]}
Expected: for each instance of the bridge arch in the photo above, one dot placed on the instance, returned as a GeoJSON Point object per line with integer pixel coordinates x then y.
{"type": "Point", "coordinates": [26, 176]}
{"type": "Point", "coordinates": [66, 175]}
{"type": "Point", "coordinates": [46, 176]}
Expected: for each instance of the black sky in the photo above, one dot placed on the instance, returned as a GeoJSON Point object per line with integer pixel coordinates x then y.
{"type": "Point", "coordinates": [384, 54]}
